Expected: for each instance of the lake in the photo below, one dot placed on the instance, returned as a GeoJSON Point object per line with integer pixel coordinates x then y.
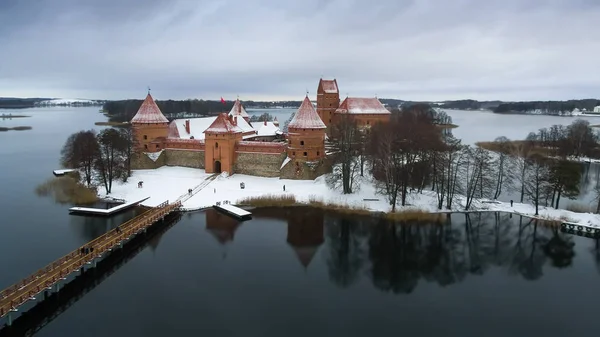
{"type": "Point", "coordinates": [293, 272]}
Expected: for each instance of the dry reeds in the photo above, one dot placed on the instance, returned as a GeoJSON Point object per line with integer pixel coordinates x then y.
{"type": "Point", "coordinates": [270, 201]}
{"type": "Point", "coordinates": [66, 190]}
{"type": "Point", "coordinates": [315, 202]}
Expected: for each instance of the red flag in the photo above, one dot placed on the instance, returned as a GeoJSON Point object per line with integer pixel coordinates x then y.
{"type": "Point", "coordinates": [222, 101]}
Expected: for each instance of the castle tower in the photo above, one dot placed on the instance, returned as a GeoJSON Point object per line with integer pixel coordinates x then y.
{"type": "Point", "coordinates": [328, 100]}
{"type": "Point", "coordinates": [239, 111]}
{"type": "Point", "coordinates": [220, 139]}
{"type": "Point", "coordinates": [149, 127]}
{"type": "Point", "coordinates": [306, 134]}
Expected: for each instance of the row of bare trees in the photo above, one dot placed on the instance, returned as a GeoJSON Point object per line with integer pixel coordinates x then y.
{"type": "Point", "coordinates": [99, 157]}
{"type": "Point", "coordinates": [577, 140]}
{"type": "Point", "coordinates": [411, 154]}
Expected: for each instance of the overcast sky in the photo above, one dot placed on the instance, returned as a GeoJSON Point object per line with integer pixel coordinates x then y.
{"type": "Point", "coordinates": [278, 49]}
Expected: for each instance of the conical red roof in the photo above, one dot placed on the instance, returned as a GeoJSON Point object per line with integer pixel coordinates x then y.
{"type": "Point", "coordinates": [306, 117]}
{"type": "Point", "coordinates": [238, 110]}
{"type": "Point", "coordinates": [223, 125]}
{"type": "Point", "coordinates": [149, 113]}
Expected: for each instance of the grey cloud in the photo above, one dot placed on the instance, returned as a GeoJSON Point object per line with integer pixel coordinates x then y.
{"type": "Point", "coordinates": [417, 49]}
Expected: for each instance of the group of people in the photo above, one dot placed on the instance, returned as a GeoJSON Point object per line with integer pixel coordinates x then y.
{"type": "Point", "coordinates": [86, 250]}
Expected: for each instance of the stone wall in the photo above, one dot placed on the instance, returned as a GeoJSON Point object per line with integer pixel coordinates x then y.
{"type": "Point", "coordinates": [259, 164]}
{"type": "Point", "coordinates": [141, 161]}
{"type": "Point", "coordinates": [185, 158]}
{"type": "Point", "coordinates": [302, 170]}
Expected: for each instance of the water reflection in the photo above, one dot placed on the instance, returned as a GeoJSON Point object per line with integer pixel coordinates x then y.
{"type": "Point", "coordinates": [397, 257]}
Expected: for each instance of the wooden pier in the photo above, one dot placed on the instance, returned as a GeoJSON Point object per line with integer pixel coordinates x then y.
{"type": "Point", "coordinates": [105, 212]}
{"type": "Point", "coordinates": [50, 276]}
{"type": "Point", "coordinates": [233, 211]}
{"type": "Point", "coordinates": [60, 173]}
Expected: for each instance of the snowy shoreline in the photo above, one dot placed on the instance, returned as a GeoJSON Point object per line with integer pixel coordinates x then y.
{"type": "Point", "coordinates": [171, 183]}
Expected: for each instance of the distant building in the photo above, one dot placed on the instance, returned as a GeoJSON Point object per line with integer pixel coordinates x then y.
{"type": "Point", "coordinates": [597, 109]}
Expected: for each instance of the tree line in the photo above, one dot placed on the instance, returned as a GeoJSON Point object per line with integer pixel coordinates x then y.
{"type": "Point", "coordinates": [101, 158]}
{"type": "Point", "coordinates": [548, 107]}
{"type": "Point", "coordinates": [410, 154]}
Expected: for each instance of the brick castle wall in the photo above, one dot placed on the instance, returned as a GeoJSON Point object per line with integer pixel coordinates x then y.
{"type": "Point", "coordinates": [185, 158]}
{"type": "Point", "coordinates": [259, 164]}
{"type": "Point", "coordinates": [302, 170]}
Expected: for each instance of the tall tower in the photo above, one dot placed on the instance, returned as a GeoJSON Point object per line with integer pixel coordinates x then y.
{"type": "Point", "coordinates": [328, 100]}
{"type": "Point", "coordinates": [221, 138]}
{"type": "Point", "coordinates": [306, 134]}
{"type": "Point", "coordinates": [149, 127]}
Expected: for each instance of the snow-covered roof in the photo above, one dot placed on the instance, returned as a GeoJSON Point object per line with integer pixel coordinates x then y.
{"type": "Point", "coordinates": [197, 127]}
{"type": "Point", "coordinates": [329, 86]}
{"type": "Point", "coordinates": [243, 125]}
{"type": "Point", "coordinates": [238, 110]}
{"type": "Point", "coordinates": [356, 105]}
{"type": "Point", "coordinates": [222, 124]}
{"type": "Point", "coordinates": [270, 129]}
{"type": "Point", "coordinates": [306, 117]}
{"type": "Point", "coordinates": [149, 113]}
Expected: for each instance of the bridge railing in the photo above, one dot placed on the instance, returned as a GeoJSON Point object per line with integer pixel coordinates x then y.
{"type": "Point", "coordinates": [20, 292]}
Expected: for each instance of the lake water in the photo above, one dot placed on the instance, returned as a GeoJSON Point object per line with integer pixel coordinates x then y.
{"type": "Point", "coordinates": [293, 272]}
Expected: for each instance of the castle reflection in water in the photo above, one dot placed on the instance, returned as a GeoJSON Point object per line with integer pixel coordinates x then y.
{"type": "Point", "coordinates": [396, 257]}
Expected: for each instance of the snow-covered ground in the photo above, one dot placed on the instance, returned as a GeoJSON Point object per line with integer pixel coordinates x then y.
{"type": "Point", "coordinates": [169, 183]}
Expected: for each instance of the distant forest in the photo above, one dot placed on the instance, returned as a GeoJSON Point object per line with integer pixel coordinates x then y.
{"type": "Point", "coordinates": [121, 111]}
{"type": "Point", "coordinates": [549, 107]}
{"type": "Point", "coordinates": [19, 103]}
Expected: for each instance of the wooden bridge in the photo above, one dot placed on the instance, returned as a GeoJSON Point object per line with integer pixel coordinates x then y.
{"type": "Point", "coordinates": [16, 295]}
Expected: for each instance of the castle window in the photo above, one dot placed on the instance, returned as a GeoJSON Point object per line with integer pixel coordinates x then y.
{"type": "Point", "coordinates": [318, 153]}
{"type": "Point", "coordinates": [146, 146]}
{"type": "Point", "coordinates": [216, 145]}
{"type": "Point", "coordinates": [290, 142]}
{"type": "Point", "coordinates": [157, 146]}
{"type": "Point", "coordinates": [305, 154]}
{"type": "Point", "coordinates": [301, 142]}
{"type": "Point", "coordinates": [145, 137]}
{"type": "Point", "coordinates": [367, 122]}
{"type": "Point", "coordinates": [293, 153]}
{"type": "Point", "coordinates": [330, 121]}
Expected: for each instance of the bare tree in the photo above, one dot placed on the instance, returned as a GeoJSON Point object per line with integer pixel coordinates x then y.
{"type": "Point", "coordinates": [564, 180]}
{"type": "Point", "coordinates": [477, 174]}
{"type": "Point", "coordinates": [80, 152]}
{"type": "Point", "coordinates": [127, 136]}
{"type": "Point", "coordinates": [112, 153]}
{"type": "Point", "coordinates": [449, 160]}
{"type": "Point", "coordinates": [501, 165]}
{"type": "Point", "coordinates": [536, 183]}
{"type": "Point", "coordinates": [520, 159]}
{"type": "Point", "coordinates": [346, 144]}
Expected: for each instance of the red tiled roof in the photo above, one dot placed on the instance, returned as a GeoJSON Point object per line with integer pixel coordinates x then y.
{"type": "Point", "coordinates": [173, 132]}
{"type": "Point", "coordinates": [355, 105]}
{"type": "Point", "coordinates": [149, 113]}
{"type": "Point", "coordinates": [306, 117]}
{"type": "Point", "coordinates": [329, 86]}
{"type": "Point", "coordinates": [222, 125]}
{"type": "Point", "coordinates": [238, 109]}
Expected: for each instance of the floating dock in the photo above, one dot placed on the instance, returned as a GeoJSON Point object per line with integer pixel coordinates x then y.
{"type": "Point", "coordinates": [59, 173]}
{"type": "Point", "coordinates": [234, 211]}
{"type": "Point", "coordinates": [105, 212]}
{"type": "Point", "coordinates": [580, 230]}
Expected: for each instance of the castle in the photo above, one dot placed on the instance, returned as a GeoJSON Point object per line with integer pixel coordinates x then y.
{"type": "Point", "coordinates": [230, 143]}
